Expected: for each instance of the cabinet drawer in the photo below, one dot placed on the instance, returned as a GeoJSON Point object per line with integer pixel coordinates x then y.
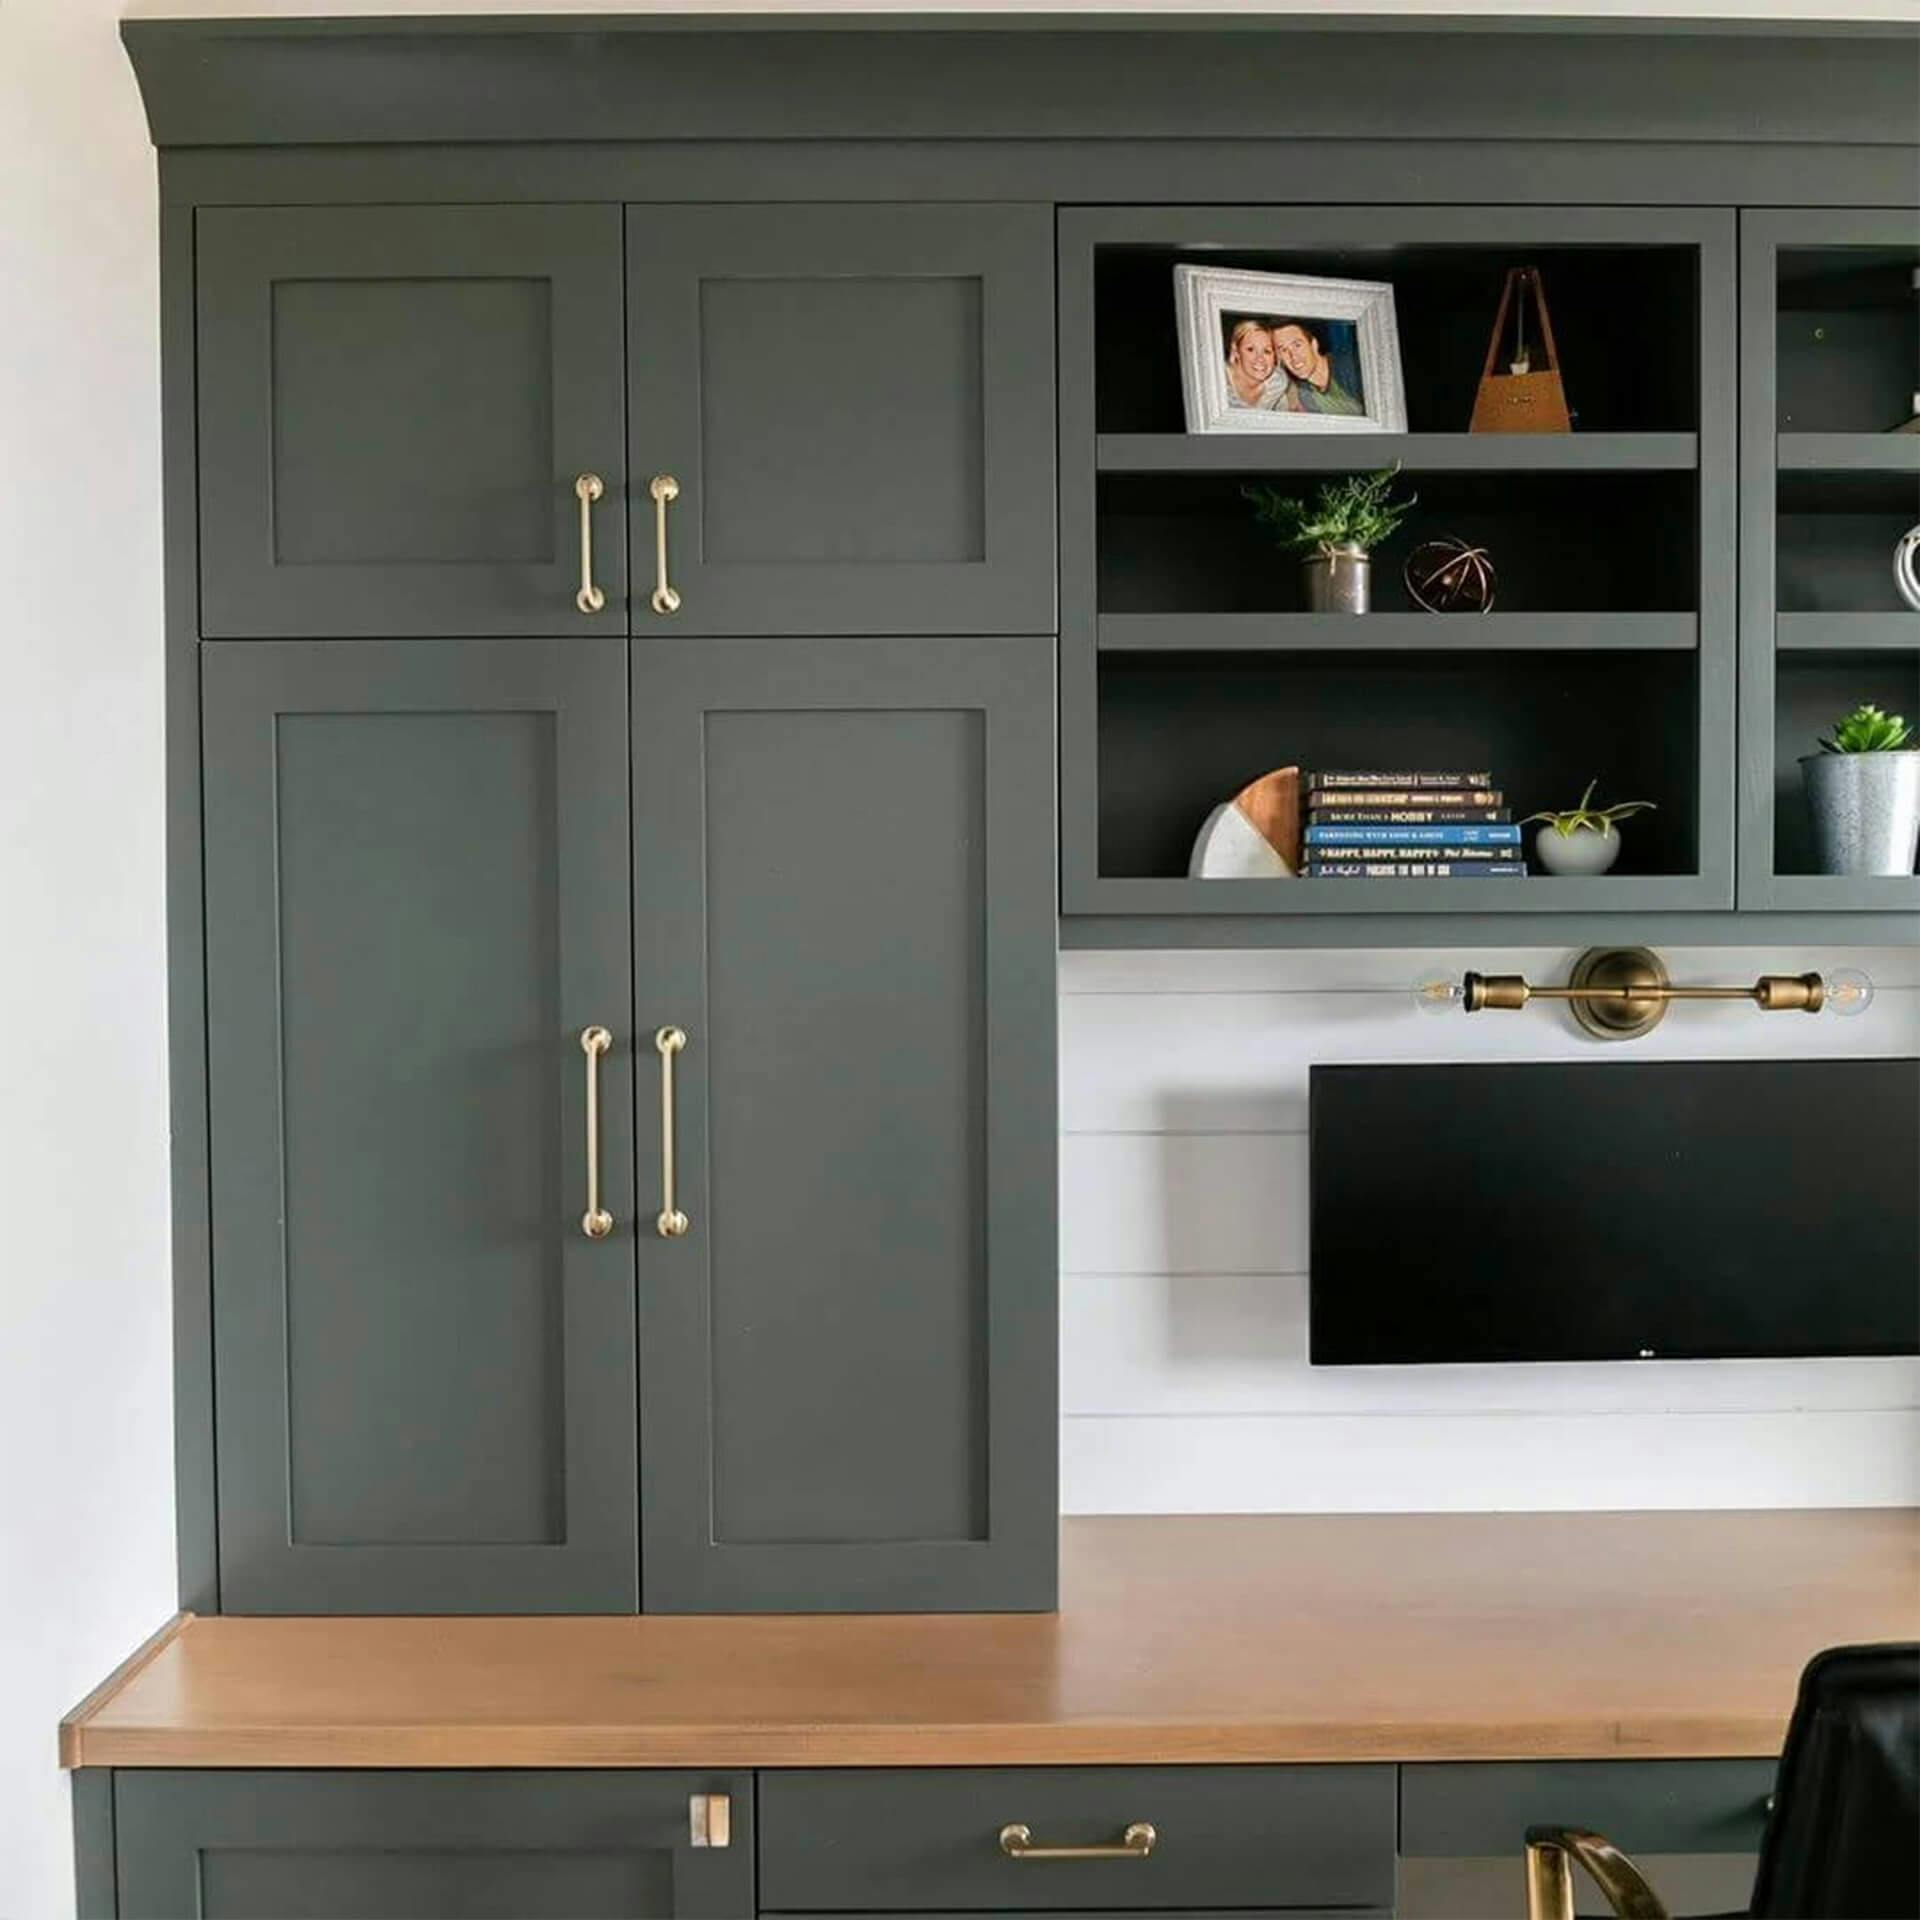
{"type": "Point", "coordinates": [920, 1841]}
{"type": "Point", "coordinates": [1459, 1810]}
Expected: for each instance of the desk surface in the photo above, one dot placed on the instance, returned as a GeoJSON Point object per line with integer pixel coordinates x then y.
{"type": "Point", "coordinates": [1399, 1637]}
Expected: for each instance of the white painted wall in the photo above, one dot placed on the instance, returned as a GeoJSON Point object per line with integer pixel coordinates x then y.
{"type": "Point", "coordinates": [1184, 1379]}
{"type": "Point", "coordinates": [86, 1497]}
{"type": "Point", "coordinates": [1199, 1373]}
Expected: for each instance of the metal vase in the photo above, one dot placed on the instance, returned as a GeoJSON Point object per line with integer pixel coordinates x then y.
{"type": "Point", "coordinates": [1339, 580]}
{"type": "Point", "coordinates": [1865, 811]}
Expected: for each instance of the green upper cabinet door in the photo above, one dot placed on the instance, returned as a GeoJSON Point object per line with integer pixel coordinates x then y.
{"type": "Point", "coordinates": [416, 889]}
{"type": "Point", "coordinates": [849, 411]}
{"type": "Point", "coordinates": [395, 405]}
{"type": "Point", "coordinates": [396, 1845]}
{"type": "Point", "coordinates": [848, 1357]}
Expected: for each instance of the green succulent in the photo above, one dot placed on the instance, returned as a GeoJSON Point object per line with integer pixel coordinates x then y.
{"type": "Point", "coordinates": [1357, 511]}
{"type": "Point", "coordinates": [1868, 730]}
{"type": "Point", "coordinates": [1586, 814]}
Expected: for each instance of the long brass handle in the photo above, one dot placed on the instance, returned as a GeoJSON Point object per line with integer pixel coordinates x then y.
{"type": "Point", "coordinates": [587, 489]}
{"type": "Point", "coordinates": [596, 1223]}
{"type": "Point", "coordinates": [672, 1223]}
{"type": "Point", "coordinates": [1016, 1842]}
{"type": "Point", "coordinates": [663, 487]}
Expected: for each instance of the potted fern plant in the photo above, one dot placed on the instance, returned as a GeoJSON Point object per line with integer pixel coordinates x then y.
{"type": "Point", "coordinates": [1584, 840]}
{"type": "Point", "coordinates": [1335, 534]}
{"type": "Point", "coordinates": [1863, 795]}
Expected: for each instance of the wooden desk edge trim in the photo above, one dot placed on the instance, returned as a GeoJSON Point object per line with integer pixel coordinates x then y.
{"type": "Point", "coordinates": [1111, 1744]}
{"type": "Point", "coordinates": [73, 1726]}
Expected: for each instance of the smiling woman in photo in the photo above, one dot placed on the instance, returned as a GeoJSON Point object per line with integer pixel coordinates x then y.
{"type": "Point", "coordinates": [1253, 378]}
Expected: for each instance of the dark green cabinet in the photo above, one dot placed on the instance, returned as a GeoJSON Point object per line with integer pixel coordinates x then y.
{"type": "Point", "coordinates": [844, 897]}
{"type": "Point", "coordinates": [855, 407]}
{"type": "Point", "coordinates": [395, 404]}
{"type": "Point", "coordinates": [508, 1845]}
{"type": "Point", "coordinates": [416, 892]}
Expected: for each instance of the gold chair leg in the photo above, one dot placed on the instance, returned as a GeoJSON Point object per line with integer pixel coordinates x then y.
{"type": "Point", "coordinates": [1549, 1881]}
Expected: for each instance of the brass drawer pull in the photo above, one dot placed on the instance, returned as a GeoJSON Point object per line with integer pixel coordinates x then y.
{"type": "Point", "coordinates": [596, 1223]}
{"type": "Point", "coordinates": [1016, 1842]}
{"type": "Point", "coordinates": [663, 487]}
{"type": "Point", "coordinates": [587, 489]}
{"type": "Point", "coordinates": [672, 1223]}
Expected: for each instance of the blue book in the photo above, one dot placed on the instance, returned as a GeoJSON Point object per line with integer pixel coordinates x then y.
{"type": "Point", "coordinates": [1386, 835]}
{"type": "Point", "coordinates": [1413, 870]}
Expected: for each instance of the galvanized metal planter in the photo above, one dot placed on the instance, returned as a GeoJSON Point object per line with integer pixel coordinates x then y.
{"type": "Point", "coordinates": [1865, 811]}
{"type": "Point", "coordinates": [1339, 580]}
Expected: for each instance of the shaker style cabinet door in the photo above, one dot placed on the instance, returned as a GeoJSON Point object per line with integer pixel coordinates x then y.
{"type": "Point", "coordinates": [398, 406]}
{"type": "Point", "coordinates": [416, 904]}
{"type": "Point", "coordinates": [842, 419]}
{"type": "Point", "coordinates": [848, 1324]}
{"type": "Point", "coordinates": [397, 1845]}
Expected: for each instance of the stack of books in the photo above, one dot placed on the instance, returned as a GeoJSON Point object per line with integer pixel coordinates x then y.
{"type": "Point", "coordinates": [1385, 825]}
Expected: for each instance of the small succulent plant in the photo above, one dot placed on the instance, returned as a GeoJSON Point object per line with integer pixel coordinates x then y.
{"type": "Point", "coordinates": [1586, 815]}
{"type": "Point", "coordinates": [1358, 511]}
{"type": "Point", "coordinates": [1868, 730]}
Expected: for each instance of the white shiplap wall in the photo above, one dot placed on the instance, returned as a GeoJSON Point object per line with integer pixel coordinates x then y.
{"type": "Point", "coordinates": [1184, 1380]}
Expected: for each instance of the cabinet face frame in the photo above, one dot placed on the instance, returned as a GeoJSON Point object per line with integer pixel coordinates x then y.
{"type": "Point", "coordinates": [1003, 685]}
{"type": "Point", "coordinates": [1764, 234]}
{"type": "Point", "coordinates": [1710, 231]}
{"type": "Point", "coordinates": [676, 254]}
{"type": "Point", "coordinates": [163, 1819]}
{"type": "Point", "coordinates": [587, 1390]}
{"type": "Point", "coordinates": [572, 254]}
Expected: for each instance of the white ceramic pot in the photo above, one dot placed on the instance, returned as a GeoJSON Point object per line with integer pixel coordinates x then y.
{"type": "Point", "coordinates": [1581, 853]}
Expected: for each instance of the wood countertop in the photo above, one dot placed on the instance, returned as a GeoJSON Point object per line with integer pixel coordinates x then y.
{"type": "Point", "coordinates": [1350, 1637]}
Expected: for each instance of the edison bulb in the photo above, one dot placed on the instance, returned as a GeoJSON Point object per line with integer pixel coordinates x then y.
{"type": "Point", "coordinates": [1436, 994]}
{"type": "Point", "coordinates": [1849, 991]}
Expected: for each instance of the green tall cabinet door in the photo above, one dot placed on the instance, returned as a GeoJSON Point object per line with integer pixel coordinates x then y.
{"type": "Point", "coordinates": [844, 874]}
{"type": "Point", "coordinates": [846, 413]}
{"type": "Point", "coordinates": [507, 1845]}
{"type": "Point", "coordinates": [396, 406]}
{"type": "Point", "coordinates": [416, 898]}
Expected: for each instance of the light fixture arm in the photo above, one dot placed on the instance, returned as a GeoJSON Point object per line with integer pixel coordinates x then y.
{"type": "Point", "coordinates": [1620, 993]}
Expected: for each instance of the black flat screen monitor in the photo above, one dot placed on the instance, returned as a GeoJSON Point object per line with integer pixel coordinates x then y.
{"type": "Point", "coordinates": [1615, 1211]}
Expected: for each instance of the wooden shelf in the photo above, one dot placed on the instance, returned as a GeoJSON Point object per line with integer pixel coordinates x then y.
{"type": "Point", "coordinates": [1849, 453]}
{"type": "Point", "coordinates": [1847, 632]}
{"type": "Point", "coordinates": [1399, 633]}
{"type": "Point", "coordinates": [1415, 452]}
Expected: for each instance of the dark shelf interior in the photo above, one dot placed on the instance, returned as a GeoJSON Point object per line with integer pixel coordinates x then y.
{"type": "Point", "coordinates": [1848, 339]}
{"type": "Point", "coordinates": [1179, 733]}
{"type": "Point", "coordinates": [1624, 318]}
{"type": "Point", "coordinates": [1812, 691]}
{"type": "Point", "coordinates": [1581, 542]}
{"type": "Point", "coordinates": [1835, 537]}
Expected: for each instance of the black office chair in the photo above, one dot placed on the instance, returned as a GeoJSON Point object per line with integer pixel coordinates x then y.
{"type": "Point", "coordinates": [1843, 1827]}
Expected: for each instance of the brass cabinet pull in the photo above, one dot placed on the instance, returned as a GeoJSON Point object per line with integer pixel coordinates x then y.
{"type": "Point", "coordinates": [596, 1223]}
{"type": "Point", "coordinates": [587, 489]}
{"type": "Point", "coordinates": [710, 1818]}
{"type": "Point", "coordinates": [672, 1223]}
{"type": "Point", "coordinates": [663, 487]}
{"type": "Point", "coordinates": [1016, 1842]}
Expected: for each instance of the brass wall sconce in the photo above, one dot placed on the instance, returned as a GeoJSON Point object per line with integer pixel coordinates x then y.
{"type": "Point", "coordinates": [1620, 993]}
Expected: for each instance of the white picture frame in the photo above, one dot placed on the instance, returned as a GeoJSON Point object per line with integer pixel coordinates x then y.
{"type": "Point", "coordinates": [1341, 331]}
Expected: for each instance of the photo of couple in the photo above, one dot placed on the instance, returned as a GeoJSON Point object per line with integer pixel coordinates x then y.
{"type": "Point", "coordinates": [1280, 364]}
{"type": "Point", "coordinates": [1287, 352]}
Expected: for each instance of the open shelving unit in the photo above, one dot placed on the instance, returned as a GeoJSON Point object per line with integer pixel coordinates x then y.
{"type": "Point", "coordinates": [1190, 666]}
{"type": "Point", "coordinates": [1830, 329]}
